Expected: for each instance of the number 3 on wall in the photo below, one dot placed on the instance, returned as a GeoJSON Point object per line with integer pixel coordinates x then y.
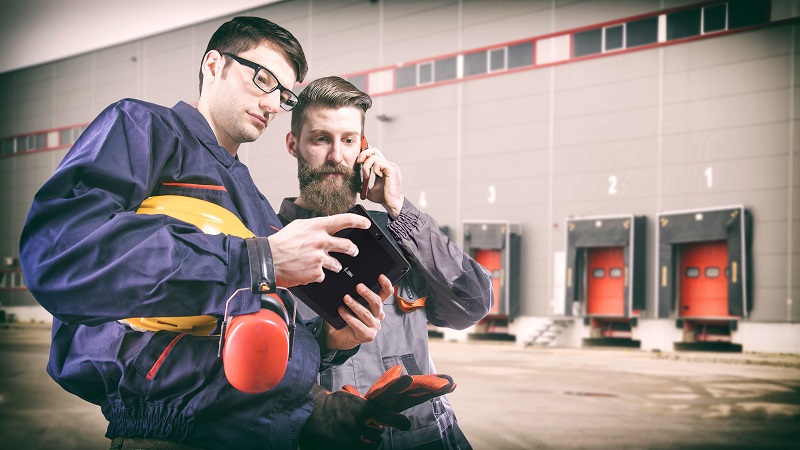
{"type": "Point", "coordinates": [612, 184]}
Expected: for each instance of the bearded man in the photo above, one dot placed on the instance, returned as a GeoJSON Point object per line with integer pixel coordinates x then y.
{"type": "Point", "coordinates": [444, 287]}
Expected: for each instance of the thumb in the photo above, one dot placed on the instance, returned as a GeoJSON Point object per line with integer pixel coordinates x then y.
{"type": "Point", "coordinates": [350, 389]}
{"type": "Point", "coordinates": [388, 418]}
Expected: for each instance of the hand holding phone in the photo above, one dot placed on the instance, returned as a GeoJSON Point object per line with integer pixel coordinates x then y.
{"type": "Point", "coordinates": [382, 180]}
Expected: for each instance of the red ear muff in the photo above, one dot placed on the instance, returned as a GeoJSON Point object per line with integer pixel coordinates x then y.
{"type": "Point", "coordinates": [257, 347]}
{"type": "Point", "coordinates": [256, 351]}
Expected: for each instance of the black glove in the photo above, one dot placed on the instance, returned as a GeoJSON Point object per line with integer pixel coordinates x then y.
{"type": "Point", "coordinates": [344, 420]}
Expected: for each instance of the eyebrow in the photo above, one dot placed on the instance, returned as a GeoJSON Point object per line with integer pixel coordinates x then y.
{"type": "Point", "coordinates": [261, 66]}
{"type": "Point", "coordinates": [325, 131]}
{"type": "Point", "coordinates": [319, 131]}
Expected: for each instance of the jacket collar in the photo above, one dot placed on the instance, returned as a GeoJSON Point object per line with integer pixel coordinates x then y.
{"type": "Point", "coordinates": [198, 125]}
{"type": "Point", "coordinates": [289, 211]}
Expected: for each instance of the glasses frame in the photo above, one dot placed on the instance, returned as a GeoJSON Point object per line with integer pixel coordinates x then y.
{"type": "Point", "coordinates": [258, 67]}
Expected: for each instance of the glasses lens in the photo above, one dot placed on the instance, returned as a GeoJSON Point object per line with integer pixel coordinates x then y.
{"type": "Point", "coordinates": [288, 100]}
{"type": "Point", "coordinates": [265, 80]}
{"type": "Point", "coordinates": [268, 83]}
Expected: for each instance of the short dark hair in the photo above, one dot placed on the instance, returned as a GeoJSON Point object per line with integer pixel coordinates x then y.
{"type": "Point", "coordinates": [244, 33]}
{"type": "Point", "coordinates": [329, 92]}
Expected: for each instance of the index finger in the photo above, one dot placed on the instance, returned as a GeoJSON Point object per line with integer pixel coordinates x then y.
{"type": "Point", "coordinates": [339, 222]}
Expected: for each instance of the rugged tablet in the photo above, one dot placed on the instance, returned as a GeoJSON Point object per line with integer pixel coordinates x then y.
{"type": "Point", "coordinates": [376, 255]}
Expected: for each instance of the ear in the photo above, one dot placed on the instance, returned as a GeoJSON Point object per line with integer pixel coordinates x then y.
{"type": "Point", "coordinates": [291, 144]}
{"type": "Point", "coordinates": [212, 65]}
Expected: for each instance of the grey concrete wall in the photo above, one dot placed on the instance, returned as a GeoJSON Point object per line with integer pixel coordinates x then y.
{"type": "Point", "coordinates": [701, 124]}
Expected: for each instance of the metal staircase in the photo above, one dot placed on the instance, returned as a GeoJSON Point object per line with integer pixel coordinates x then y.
{"type": "Point", "coordinates": [547, 332]}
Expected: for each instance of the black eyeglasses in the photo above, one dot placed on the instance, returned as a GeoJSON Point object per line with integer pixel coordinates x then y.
{"type": "Point", "coordinates": [268, 82]}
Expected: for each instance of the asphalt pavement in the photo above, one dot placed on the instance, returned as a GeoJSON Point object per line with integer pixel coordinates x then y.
{"type": "Point", "coordinates": [507, 397]}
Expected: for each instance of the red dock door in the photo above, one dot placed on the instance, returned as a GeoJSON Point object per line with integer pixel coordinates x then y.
{"type": "Point", "coordinates": [492, 261]}
{"type": "Point", "coordinates": [606, 287]}
{"type": "Point", "coordinates": [704, 279]}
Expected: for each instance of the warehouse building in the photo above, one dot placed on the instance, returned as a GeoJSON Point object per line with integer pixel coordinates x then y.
{"type": "Point", "coordinates": [628, 170]}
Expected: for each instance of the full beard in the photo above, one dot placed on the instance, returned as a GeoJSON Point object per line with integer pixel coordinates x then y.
{"type": "Point", "coordinates": [323, 195]}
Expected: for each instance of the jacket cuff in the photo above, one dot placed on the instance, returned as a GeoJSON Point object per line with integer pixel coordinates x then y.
{"type": "Point", "coordinates": [328, 358]}
{"type": "Point", "coordinates": [262, 272]}
{"type": "Point", "coordinates": [239, 277]}
{"type": "Point", "coordinates": [406, 221]}
{"type": "Point", "coordinates": [332, 358]}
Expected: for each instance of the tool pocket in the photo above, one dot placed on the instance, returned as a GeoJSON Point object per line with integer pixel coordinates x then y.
{"type": "Point", "coordinates": [409, 363]}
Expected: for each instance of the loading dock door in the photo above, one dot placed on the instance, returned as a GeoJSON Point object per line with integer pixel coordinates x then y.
{"type": "Point", "coordinates": [606, 285]}
{"type": "Point", "coordinates": [704, 279]}
{"type": "Point", "coordinates": [492, 260]}
{"type": "Point", "coordinates": [497, 246]}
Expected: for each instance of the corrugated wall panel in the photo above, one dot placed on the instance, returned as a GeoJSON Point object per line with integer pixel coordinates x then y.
{"type": "Point", "coordinates": [701, 124]}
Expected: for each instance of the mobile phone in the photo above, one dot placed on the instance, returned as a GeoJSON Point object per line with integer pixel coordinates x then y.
{"type": "Point", "coordinates": [364, 179]}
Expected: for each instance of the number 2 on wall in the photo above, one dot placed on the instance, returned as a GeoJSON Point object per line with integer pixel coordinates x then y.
{"type": "Point", "coordinates": [612, 184]}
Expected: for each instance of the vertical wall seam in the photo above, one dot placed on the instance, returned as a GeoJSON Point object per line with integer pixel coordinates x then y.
{"type": "Point", "coordinates": [142, 65]}
{"type": "Point", "coordinates": [94, 81]}
{"type": "Point", "coordinates": [193, 46]}
{"type": "Point", "coordinates": [659, 178]}
{"type": "Point", "coordinates": [52, 97]}
{"type": "Point", "coordinates": [459, 140]}
{"type": "Point", "coordinates": [659, 167]}
{"type": "Point", "coordinates": [790, 201]}
{"type": "Point", "coordinates": [550, 158]}
{"type": "Point", "coordinates": [310, 47]}
{"type": "Point", "coordinates": [380, 64]}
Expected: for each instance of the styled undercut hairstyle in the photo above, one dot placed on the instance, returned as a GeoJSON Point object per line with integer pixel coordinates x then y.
{"type": "Point", "coordinates": [329, 92]}
{"type": "Point", "coordinates": [243, 33]}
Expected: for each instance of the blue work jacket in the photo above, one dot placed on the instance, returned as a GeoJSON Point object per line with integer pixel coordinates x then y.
{"type": "Point", "coordinates": [90, 260]}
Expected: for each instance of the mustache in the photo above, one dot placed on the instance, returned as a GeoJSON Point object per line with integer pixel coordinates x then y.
{"type": "Point", "coordinates": [331, 168]}
{"type": "Point", "coordinates": [308, 175]}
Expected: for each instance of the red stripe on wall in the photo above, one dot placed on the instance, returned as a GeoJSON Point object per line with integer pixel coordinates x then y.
{"type": "Point", "coordinates": [534, 65]}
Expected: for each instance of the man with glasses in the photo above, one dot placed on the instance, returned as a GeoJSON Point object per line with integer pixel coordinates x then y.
{"type": "Point", "coordinates": [94, 263]}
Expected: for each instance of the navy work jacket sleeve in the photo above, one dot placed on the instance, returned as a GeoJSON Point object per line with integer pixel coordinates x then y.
{"type": "Point", "coordinates": [88, 257]}
{"type": "Point", "coordinates": [458, 289]}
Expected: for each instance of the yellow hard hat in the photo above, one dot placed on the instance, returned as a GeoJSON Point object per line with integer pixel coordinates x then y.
{"type": "Point", "coordinates": [212, 219]}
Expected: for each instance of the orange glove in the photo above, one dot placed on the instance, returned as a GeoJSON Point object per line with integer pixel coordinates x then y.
{"type": "Point", "coordinates": [397, 392]}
